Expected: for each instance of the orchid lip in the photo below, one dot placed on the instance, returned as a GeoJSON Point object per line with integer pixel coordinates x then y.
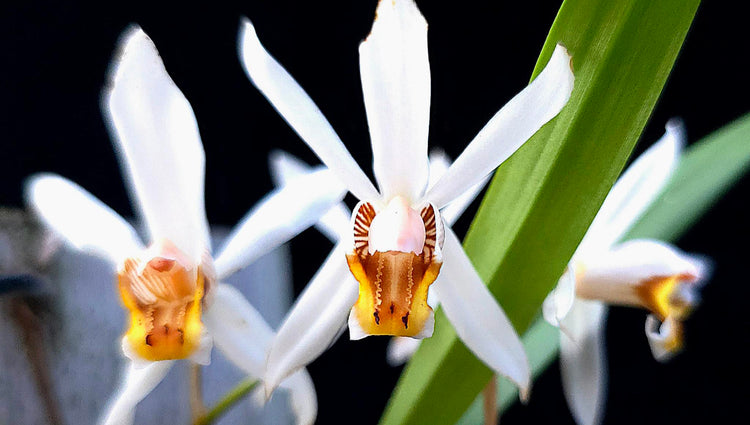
{"type": "Point", "coordinates": [164, 296]}
{"type": "Point", "coordinates": [394, 283]}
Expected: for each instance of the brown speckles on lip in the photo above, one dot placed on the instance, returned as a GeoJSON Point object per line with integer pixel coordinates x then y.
{"type": "Point", "coordinates": [164, 298]}
{"type": "Point", "coordinates": [393, 284]}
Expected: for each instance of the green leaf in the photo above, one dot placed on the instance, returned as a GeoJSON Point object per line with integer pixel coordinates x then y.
{"type": "Point", "coordinates": [543, 199]}
{"type": "Point", "coordinates": [706, 170]}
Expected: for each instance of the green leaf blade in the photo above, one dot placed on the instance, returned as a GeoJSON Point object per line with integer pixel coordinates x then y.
{"type": "Point", "coordinates": [542, 200]}
{"type": "Point", "coordinates": [706, 171]}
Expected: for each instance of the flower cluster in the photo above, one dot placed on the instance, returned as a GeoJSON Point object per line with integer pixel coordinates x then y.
{"type": "Point", "coordinates": [395, 256]}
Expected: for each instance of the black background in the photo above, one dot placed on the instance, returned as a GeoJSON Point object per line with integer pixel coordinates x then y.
{"type": "Point", "coordinates": [55, 57]}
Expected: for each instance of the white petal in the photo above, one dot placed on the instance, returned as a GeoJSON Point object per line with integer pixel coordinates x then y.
{"type": "Point", "coordinates": [455, 209]}
{"type": "Point", "coordinates": [314, 321]}
{"type": "Point", "coordinates": [515, 123]}
{"type": "Point", "coordinates": [439, 164]}
{"type": "Point", "coordinates": [202, 354]}
{"type": "Point", "coordinates": [238, 330]}
{"type": "Point", "coordinates": [281, 215]}
{"type": "Point", "coordinates": [158, 141]}
{"type": "Point", "coordinates": [559, 302]}
{"type": "Point", "coordinates": [285, 168]}
{"type": "Point", "coordinates": [478, 319]}
{"type": "Point", "coordinates": [635, 261]}
{"type": "Point", "coordinates": [635, 190]}
{"type": "Point", "coordinates": [663, 338]}
{"type": "Point", "coordinates": [583, 361]}
{"type": "Point", "coordinates": [302, 397]}
{"type": "Point", "coordinates": [395, 72]}
{"type": "Point", "coordinates": [137, 383]}
{"type": "Point", "coordinates": [301, 113]}
{"type": "Point", "coordinates": [400, 349]}
{"type": "Point", "coordinates": [80, 218]}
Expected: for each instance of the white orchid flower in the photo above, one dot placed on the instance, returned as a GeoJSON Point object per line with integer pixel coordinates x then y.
{"type": "Point", "coordinates": [644, 273]}
{"type": "Point", "coordinates": [172, 287]}
{"type": "Point", "coordinates": [397, 244]}
{"type": "Point", "coordinates": [335, 224]}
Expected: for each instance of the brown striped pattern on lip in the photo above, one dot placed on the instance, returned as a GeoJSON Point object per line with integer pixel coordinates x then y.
{"type": "Point", "coordinates": [164, 298]}
{"type": "Point", "coordinates": [393, 284]}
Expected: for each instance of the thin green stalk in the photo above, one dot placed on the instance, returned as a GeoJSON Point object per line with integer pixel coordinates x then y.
{"type": "Point", "coordinates": [233, 396]}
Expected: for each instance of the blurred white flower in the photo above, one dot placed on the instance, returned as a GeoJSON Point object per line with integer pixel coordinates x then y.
{"type": "Point", "coordinates": [172, 287]}
{"type": "Point", "coordinates": [643, 273]}
{"type": "Point", "coordinates": [397, 244]}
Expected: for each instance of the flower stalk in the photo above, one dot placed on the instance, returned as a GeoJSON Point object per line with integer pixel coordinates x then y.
{"type": "Point", "coordinates": [230, 399]}
{"type": "Point", "coordinates": [197, 407]}
{"type": "Point", "coordinates": [489, 394]}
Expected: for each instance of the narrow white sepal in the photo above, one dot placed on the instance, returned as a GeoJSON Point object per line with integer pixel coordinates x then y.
{"type": "Point", "coordinates": [636, 261]}
{"type": "Point", "coordinates": [439, 164]}
{"type": "Point", "coordinates": [635, 190]}
{"type": "Point", "coordinates": [202, 354]}
{"type": "Point", "coordinates": [302, 397]}
{"type": "Point", "coordinates": [400, 349]}
{"type": "Point", "coordinates": [314, 321]}
{"type": "Point", "coordinates": [157, 139]}
{"type": "Point", "coordinates": [81, 219]}
{"type": "Point", "coordinates": [244, 337]}
{"type": "Point", "coordinates": [137, 383]}
{"type": "Point", "coordinates": [477, 317]}
{"type": "Point", "coordinates": [395, 71]}
{"type": "Point", "coordinates": [278, 217]}
{"type": "Point", "coordinates": [559, 302]}
{"type": "Point", "coordinates": [510, 128]}
{"type": "Point", "coordinates": [583, 361]}
{"type": "Point", "coordinates": [285, 168]}
{"type": "Point", "coordinates": [301, 113]}
{"type": "Point", "coordinates": [238, 330]}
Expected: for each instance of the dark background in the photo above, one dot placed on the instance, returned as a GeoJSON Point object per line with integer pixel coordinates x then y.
{"type": "Point", "coordinates": [55, 57]}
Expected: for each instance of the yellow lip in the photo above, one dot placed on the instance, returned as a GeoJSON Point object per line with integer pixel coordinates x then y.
{"type": "Point", "coordinates": [164, 300]}
{"type": "Point", "coordinates": [392, 292]}
{"type": "Point", "coordinates": [393, 285]}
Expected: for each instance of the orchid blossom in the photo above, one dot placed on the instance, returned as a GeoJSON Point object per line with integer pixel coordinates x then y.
{"type": "Point", "coordinates": [397, 244]}
{"type": "Point", "coordinates": [643, 273]}
{"type": "Point", "coordinates": [335, 223]}
{"type": "Point", "coordinates": [172, 288]}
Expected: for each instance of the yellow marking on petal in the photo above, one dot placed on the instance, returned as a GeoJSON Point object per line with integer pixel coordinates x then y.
{"type": "Point", "coordinates": [660, 295]}
{"type": "Point", "coordinates": [164, 298]}
{"type": "Point", "coordinates": [393, 285]}
{"type": "Point", "coordinates": [393, 290]}
{"type": "Point", "coordinates": [675, 342]}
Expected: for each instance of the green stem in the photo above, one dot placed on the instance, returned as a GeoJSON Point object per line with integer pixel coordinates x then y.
{"type": "Point", "coordinates": [233, 396]}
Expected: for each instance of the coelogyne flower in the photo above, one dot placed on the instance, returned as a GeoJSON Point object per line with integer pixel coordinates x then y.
{"type": "Point", "coordinates": [335, 223]}
{"type": "Point", "coordinates": [397, 244]}
{"type": "Point", "coordinates": [172, 288]}
{"type": "Point", "coordinates": [642, 273]}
